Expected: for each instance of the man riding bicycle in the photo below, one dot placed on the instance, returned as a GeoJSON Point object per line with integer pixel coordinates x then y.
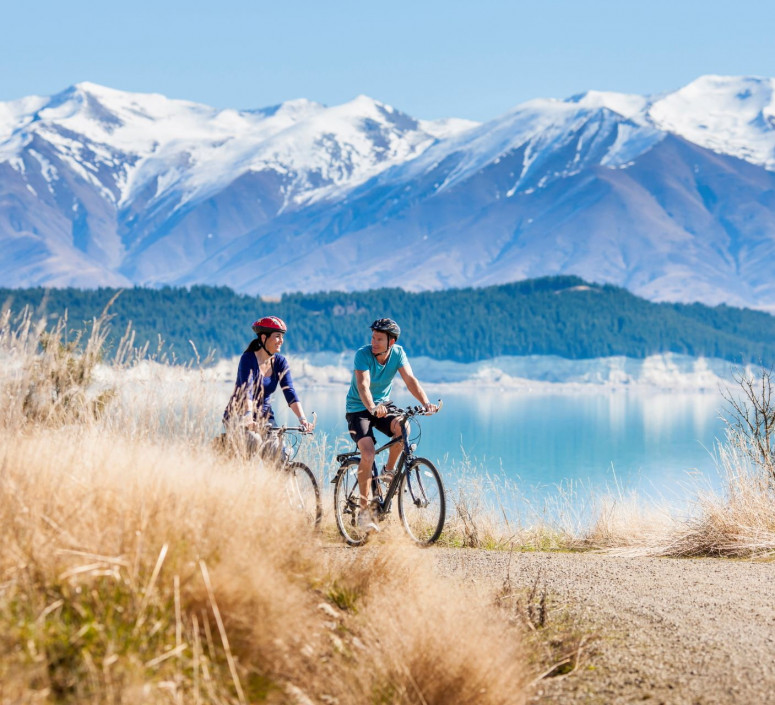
{"type": "Point", "coordinates": [368, 404]}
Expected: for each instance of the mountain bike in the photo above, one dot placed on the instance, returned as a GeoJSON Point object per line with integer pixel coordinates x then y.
{"type": "Point", "coordinates": [416, 485]}
{"type": "Point", "coordinates": [301, 487]}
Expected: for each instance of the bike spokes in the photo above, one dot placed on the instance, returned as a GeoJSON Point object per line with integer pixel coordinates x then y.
{"type": "Point", "coordinates": [302, 493]}
{"type": "Point", "coordinates": [421, 502]}
{"type": "Point", "coordinates": [347, 503]}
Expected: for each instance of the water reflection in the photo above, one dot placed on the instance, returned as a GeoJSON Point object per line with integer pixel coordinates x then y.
{"type": "Point", "coordinates": [651, 440]}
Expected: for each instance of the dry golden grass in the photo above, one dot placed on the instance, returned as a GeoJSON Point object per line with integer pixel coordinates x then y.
{"type": "Point", "coordinates": [139, 566]}
{"type": "Point", "coordinates": [436, 622]}
{"type": "Point", "coordinates": [147, 572]}
{"type": "Point", "coordinates": [738, 521]}
{"type": "Point", "coordinates": [492, 513]}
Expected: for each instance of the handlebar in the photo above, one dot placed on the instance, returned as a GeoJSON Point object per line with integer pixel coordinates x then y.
{"type": "Point", "coordinates": [407, 413]}
{"type": "Point", "coordinates": [418, 410]}
{"type": "Point", "coordinates": [298, 429]}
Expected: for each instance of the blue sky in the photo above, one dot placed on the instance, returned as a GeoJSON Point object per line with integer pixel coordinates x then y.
{"type": "Point", "coordinates": [430, 58]}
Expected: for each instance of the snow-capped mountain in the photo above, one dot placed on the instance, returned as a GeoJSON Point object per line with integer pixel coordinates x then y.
{"type": "Point", "coordinates": [672, 196]}
{"type": "Point", "coordinates": [105, 187]}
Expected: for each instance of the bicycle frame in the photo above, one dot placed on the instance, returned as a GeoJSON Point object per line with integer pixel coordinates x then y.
{"type": "Point", "coordinates": [382, 499]}
{"type": "Point", "coordinates": [289, 451]}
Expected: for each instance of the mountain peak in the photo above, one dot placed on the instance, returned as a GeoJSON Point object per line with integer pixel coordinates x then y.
{"type": "Point", "coordinates": [96, 89]}
{"type": "Point", "coordinates": [715, 82]}
{"type": "Point", "coordinates": [77, 101]}
{"type": "Point", "coordinates": [87, 105]}
{"type": "Point", "coordinates": [364, 106]}
{"type": "Point", "coordinates": [626, 104]}
{"type": "Point", "coordinates": [748, 94]}
{"type": "Point", "coordinates": [289, 112]}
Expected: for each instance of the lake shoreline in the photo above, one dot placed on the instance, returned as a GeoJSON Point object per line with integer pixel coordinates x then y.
{"type": "Point", "coordinates": [540, 374]}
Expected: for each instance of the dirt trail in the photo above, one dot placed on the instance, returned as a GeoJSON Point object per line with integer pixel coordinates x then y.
{"type": "Point", "coordinates": [670, 631]}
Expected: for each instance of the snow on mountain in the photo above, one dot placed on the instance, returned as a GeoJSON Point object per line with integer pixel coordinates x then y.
{"type": "Point", "coordinates": [344, 145]}
{"type": "Point", "coordinates": [628, 105]}
{"type": "Point", "coordinates": [197, 149]}
{"type": "Point", "coordinates": [148, 186]}
{"type": "Point", "coordinates": [669, 195]}
{"type": "Point", "coordinates": [729, 115]}
{"type": "Point", "coordinates": [542, 129]}
{"type": "Point", "coordinates": [446, 127]}
{"type": "Point", "coordinates": [680, 223]}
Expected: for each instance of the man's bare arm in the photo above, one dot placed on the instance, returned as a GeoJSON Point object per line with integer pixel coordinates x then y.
{"type": "Point", "coordinates": [362, 381]}
{"type": "Point", "coordinates": [415, 388]}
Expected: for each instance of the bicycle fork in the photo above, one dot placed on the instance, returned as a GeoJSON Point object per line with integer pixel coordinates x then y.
{"type": "Point", "coordinates": [420, 497]}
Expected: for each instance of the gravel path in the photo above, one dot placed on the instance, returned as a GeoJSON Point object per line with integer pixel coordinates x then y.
{"type": "Point", "coordinates": [668, 631]}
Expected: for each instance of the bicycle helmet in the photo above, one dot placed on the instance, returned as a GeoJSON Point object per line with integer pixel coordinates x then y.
{"type": "Point", "coordinates": [387, 325]}
{"type": "Point", "coordinates": [269, 324]}
{"type": "Point", "coordinates": [264, 327]}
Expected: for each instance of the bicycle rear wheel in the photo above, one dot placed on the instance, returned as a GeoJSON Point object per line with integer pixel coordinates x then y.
{"type": "Point", "coordinates": [347, 502]}
{"type": "Point", "coordinates": [421, 501]}
{"type": "Point", "coordinates": [303, 493]}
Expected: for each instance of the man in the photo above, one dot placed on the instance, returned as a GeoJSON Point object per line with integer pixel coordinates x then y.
{"type": "Point", "coordinates": [369, 407]}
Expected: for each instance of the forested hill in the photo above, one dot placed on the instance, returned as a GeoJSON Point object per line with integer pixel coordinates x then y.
{"type": "Point", "coordinates": [562, 316]}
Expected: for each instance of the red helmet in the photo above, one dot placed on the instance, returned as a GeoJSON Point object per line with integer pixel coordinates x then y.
{"type": "Point", "coordinates": [269, 324]}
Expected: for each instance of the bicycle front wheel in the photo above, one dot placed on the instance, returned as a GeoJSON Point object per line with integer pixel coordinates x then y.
{"type": "Point", "coordinates": [303, 493]}
{"type": "Point", "coordinates": [347, 503]}
{"type": "Point", "coordinates": [421, 502]}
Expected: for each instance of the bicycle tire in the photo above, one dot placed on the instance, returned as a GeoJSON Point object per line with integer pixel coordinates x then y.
{"type": "Point", "coordinates": [347, 503]}
{"type": "Point", "coordinates": [422, 504]}
{"type": "Point", "coordinates": [303, 493]}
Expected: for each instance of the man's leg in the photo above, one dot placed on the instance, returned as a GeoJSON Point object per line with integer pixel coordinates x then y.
{"type": "Point", "coordinates": [366, 448]}
{"type": "Point", "coordinates": [395, 450]}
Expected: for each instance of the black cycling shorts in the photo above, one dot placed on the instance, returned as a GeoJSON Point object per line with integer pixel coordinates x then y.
{"type": "Point", "coordinates": [362, 424]}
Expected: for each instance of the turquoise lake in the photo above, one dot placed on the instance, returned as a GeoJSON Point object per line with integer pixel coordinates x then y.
{"type": "Point", "coordinates": [655, 442]}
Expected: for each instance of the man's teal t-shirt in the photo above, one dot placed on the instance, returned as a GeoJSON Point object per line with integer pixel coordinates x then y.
{"type": "Point", "coordinates": [381, 376]}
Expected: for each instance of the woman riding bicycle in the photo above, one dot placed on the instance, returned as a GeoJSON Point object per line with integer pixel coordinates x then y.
{"type": "Point", "coordinates": [261, 370]}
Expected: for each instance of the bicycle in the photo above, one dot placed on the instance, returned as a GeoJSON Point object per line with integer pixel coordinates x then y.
{"type": "Point", "coordinates": [416, 482]}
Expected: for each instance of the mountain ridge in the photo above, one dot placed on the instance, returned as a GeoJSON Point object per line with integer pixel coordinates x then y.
{"type": "Point", "coordinates": [563, 316]}
{"type": "Point", "coordinates": [668, 195]}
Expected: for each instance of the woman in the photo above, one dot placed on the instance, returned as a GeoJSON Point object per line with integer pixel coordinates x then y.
{"type": "Point", "coordinates": [261, 370]}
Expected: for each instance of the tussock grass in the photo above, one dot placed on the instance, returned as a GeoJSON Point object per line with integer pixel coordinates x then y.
{"type": "Point", "coordinates": [139, 566]}
{"type": "Point", "coordinates": [435, 622]}
{"type": "Point", "coordinates": [492, 512]}
{"type": "Point", "coordinates": [738, 521]}
{"type": "Point", "coordinates": [105, 546]}
{"type": "Point", "coordinates": [135, 573]}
